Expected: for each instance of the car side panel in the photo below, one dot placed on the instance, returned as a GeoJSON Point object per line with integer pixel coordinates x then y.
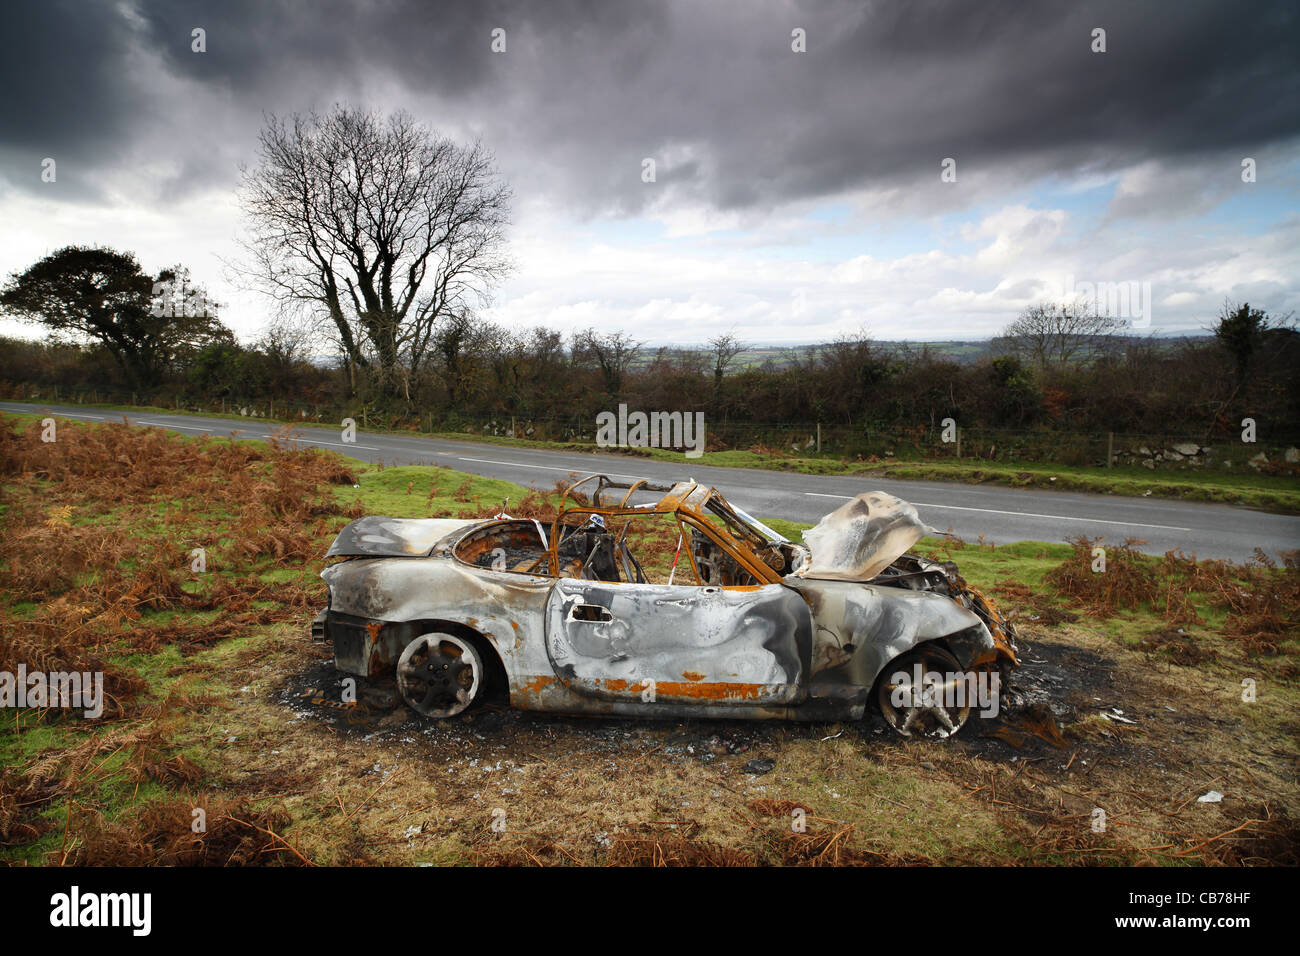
{"type": "Point", "coordinates": [660, 643]}
{"type": "Point", "coordinates": [506, 608]}
{"type": "Point", "coordinates": [860, 628]}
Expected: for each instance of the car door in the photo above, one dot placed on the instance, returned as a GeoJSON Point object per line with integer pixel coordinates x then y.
{"type": "Point", "coordinates": [679, 643]}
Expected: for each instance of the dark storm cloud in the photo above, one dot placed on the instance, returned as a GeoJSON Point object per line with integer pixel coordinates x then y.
{"type": "Point", "coordinates": [712, 91]}
{"type": "Point", "coordinates": [65, 93]}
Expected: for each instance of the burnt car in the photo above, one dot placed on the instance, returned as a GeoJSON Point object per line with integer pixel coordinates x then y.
{"type": "Point", "coordinates": [646, 599]}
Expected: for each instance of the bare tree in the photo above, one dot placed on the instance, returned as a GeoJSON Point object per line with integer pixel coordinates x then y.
{"type": "Point", "coordinates": [285, 344]}
{"type": "Point", "coordinates": [382, 225]}
{"type": "Point", "coordinates": [725, 349]}
{"type": "Point", "coordinates": [1055, 334]}
{"type": "Point", "coordinates": [613, 353]}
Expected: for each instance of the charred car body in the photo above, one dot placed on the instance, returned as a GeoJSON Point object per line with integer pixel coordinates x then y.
{"type": "Point", "coordinates": [584, 613]}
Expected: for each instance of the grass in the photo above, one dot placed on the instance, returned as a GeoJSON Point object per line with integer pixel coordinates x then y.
{"type": "Point", "coordinates": [212, 714]}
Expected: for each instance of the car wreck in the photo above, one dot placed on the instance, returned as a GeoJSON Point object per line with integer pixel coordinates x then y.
{"type": "Point", "coordinates": [645, 599]}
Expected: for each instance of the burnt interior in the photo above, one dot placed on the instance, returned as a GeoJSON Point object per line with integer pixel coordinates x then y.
{"type": "Point", "coordinates": [913, 572]}
{"type": "Point", "coordinates": [515, 545]}
{"type": "Point", "coordinates": [587, 549]}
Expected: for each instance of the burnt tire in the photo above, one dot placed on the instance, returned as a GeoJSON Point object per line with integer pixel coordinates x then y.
{"type": "Point", "coordinates": [921, 710]}
{"type": "Point", "coordinates": [441, 675]}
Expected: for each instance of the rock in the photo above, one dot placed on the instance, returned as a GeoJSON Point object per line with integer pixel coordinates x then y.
{"type": "Point", "coordinates": [1260, 459]}
{"type": "Point", "coordinates": [760, 765]}
{"type": "Point", "coordinates": [1291, 456]}
{"type": "Point", "coordinates": [1187, 449]}
{"type": "Point", "coordinates": [1149, 463]}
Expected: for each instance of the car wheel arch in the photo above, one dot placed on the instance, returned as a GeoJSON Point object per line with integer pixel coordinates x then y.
{"type": "Point", "coordinates": [498, 680]}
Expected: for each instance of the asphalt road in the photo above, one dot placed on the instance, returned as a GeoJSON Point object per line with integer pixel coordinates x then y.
{"type": "Point", "coordinates": [1002, 515]}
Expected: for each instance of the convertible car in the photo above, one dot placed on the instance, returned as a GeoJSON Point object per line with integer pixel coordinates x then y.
{"type": "Point", "coordinates": [647, 599]}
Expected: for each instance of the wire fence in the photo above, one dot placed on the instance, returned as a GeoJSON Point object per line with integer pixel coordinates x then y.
{"type": "Point", "coordinates": [1268, 452]}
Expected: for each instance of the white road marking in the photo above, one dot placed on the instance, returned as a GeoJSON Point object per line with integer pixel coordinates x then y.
{"type": "Point", "coordinates": [188, 428]}
{"type": "Point", "coordinates": [1020, 514]}
{"type": "Point", "coordinates": [515, 464]}
{"type": "Point", "coordinates": [315, 441]}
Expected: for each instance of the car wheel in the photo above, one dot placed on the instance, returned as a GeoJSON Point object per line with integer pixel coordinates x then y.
{"type": "Point", "coordinates": [440, 675]}
{"type": "Point", "coordinates": [927, 709]}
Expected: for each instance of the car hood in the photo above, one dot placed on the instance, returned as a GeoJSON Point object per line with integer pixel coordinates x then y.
{"type": "Point", "coordinates": [379, 536]}
{"type": "Point", "coordinates": [862, 537]}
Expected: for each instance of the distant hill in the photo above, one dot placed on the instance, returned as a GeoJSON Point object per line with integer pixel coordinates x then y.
{"type": "Point", "coordinates": [962, 351]}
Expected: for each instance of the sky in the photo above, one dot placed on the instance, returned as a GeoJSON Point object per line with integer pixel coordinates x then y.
{"type": "Point", "coordinates": [922, 170]}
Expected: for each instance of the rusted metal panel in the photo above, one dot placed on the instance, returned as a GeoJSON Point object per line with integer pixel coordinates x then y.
{"type": "Point", "coordinates": [860, 628]}
{"type": "Point", "coordinates": [683, 642]}
{"type": "Point", "coordinates": [506, 608]}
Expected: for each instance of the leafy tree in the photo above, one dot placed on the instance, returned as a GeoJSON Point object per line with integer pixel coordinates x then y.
{"type": "Point", "coordinates": [148, 324]}
{"type": "Point", "coordinates": [1017, 396]}
{"type": "Point", "coordinates": [221, 369]}
{"type": "Point", "coordinates": [1240, 331]}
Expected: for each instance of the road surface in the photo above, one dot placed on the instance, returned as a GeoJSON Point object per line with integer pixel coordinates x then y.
{"type": "Point", "coordinates": [1002, 515]}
